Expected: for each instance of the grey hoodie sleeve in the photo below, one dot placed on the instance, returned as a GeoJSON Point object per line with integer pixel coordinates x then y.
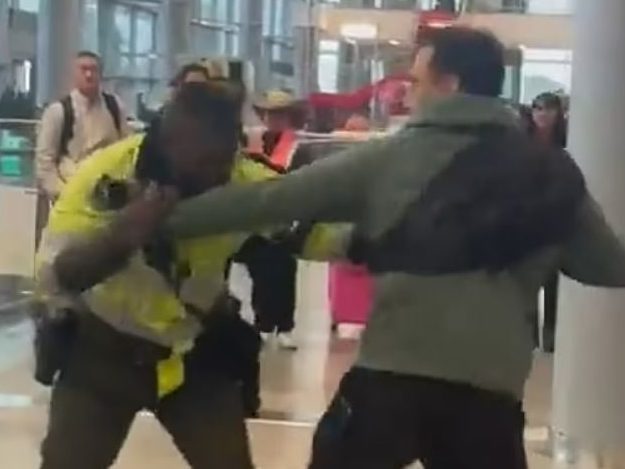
{"type": "Point", "coordinates": [595, 255]}
{"type": "Point", "coordinates": [331, 190]}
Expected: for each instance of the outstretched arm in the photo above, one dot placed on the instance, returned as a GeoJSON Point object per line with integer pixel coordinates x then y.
{"type": "Point", "coordinates": [595, 255]}
{"type": "Point", "coordinates": [89, 261]}
{"type": "Point", "coordinates": [331, 190]}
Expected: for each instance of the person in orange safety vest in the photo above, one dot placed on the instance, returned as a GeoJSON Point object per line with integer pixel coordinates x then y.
{"type": "Point", "coordinates": [271, 265]}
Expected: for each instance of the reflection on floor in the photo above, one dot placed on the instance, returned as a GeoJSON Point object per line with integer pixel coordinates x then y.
{"type": "Point", "coordinates": [296, 389]}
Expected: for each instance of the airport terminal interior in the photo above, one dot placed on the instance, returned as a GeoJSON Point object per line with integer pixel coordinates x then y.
{"type": "Point", "coordinates": [345, 64]}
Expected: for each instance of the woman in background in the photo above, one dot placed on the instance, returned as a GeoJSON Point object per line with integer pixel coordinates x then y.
{"type": "Point", "coordinates": [549, 122]}
{"type": "Point", "coordinates": [548, 125]}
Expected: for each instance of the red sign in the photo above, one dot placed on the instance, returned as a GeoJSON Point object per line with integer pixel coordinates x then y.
{"type": "Point", "coordinates": [390, 88]}
{"type": "Point", "coordinates": [428, 21]}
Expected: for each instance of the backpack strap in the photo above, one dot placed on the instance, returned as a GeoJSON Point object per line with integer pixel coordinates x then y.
{"type": "Point", "coordinates": [69, 118]}
{"type": "Point", "coordinates": [113, 107]}
{"type": "Point", "coordinates": [67, 129]}
{"type": "Point", "coordinates": [502, 198]}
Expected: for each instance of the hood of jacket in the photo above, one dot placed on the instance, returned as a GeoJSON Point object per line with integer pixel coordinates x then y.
{"type": "Point", "coordinates": [463, 110]}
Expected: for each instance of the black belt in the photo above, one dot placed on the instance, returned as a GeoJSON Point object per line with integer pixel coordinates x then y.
{"type": "Point", "coordinates": [96, 336]}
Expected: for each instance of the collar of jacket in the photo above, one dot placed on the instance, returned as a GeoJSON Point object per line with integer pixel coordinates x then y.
{"type": "Point", "coordinates": [465, 111]}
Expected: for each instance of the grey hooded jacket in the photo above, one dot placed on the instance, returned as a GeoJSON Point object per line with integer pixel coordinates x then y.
{"type": "Point", "coordinates": [470, 327]}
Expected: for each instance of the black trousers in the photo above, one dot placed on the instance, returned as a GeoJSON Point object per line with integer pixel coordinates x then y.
{"type": "Point", "coordinates": [273, 270]}
{"type": "Point", "coordinates": [385, 421]}
{"type": "Point", "coordinates": [109, 378]}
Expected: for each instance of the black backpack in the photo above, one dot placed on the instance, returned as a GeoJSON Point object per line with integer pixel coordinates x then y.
{"type": "Point", "coordinates": [67, 130]}
{"type": "Point", "coordinates": [501, 199]}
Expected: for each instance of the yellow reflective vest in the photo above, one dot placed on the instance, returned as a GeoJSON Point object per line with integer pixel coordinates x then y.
{"type": "Point", "coordinates": [138, 300]}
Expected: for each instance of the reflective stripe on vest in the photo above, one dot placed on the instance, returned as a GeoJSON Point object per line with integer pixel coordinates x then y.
{"type": "Point", "coordinates": [282, 154]}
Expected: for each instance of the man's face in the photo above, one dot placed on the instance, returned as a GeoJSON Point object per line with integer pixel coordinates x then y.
{"type": "Point", "coordinates": [87, 75]}
{"type": "Point", "coordinates": [200, 160]}
{"type": "Point", "coordinates": [428, 84]}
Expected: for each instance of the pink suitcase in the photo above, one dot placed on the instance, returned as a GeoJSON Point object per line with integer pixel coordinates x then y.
{"type": "Point", "coordinates": [350, 289]}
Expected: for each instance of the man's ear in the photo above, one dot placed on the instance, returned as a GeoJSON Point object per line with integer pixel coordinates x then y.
{"type": "Point", "coordinates": [449, 84]}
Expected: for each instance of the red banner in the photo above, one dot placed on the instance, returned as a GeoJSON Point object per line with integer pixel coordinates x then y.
{"type": "Point", "coordinates": [388, 90]}
{"type": "Point", "coordinates": [428, 21]}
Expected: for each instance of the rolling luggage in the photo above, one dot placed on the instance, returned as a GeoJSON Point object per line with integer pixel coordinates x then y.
{"type": "Point", "coordinates": [350, 291]}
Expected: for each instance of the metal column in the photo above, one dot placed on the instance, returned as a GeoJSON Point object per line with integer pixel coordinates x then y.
{"type": "Point", "coordinates": [252, 40]}
{"type": "Point", "coordinates": [305, 38]}
{"type": "Point", "coordinates": [59, 38]}
{"type": "Point", "coordinates": [174, 35]}
{"type": "Point", "coordinates": [5, 50]}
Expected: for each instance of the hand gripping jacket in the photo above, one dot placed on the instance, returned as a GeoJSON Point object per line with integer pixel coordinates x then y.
{"type": "Point", "coordinates": [139, 300]}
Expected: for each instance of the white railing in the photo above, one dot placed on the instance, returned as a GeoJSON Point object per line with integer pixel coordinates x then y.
{"type": "Point", "coordinates": [33, 122]}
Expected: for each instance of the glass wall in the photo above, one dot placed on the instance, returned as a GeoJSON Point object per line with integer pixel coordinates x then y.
{"type": "Point", "coordinates": [545, 70]}
{"type": "Point", "coordinates": [550, 7]}
{"type": "Point", "coordinates": [91, 22]}
{"type": "Point", "coordinates": [131, 44]}
{"type": "Point", "coordinates": [31, 6]}
{"type": "Point", "coordinates": [129, 49]}
{"type": "Point", "coordinates": [278, 43]}
{"type": "Point", "coordinates": [386, 4]}
{"type": "Point", "coordinates": [217, 28]}
{"type": "Point", "coordinates": [538, 7]}
{"type": "Point", "coordinates": [328, 66]}
{"type": "Point", "coordinates": [542, 7]}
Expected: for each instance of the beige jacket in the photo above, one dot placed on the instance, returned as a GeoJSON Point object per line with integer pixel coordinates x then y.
{"type": "Point", "coordinates": [94, 128]}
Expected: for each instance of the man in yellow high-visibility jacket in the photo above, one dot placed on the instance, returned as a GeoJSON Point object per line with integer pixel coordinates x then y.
{"type": "Point", "coordinates": [143, 303]}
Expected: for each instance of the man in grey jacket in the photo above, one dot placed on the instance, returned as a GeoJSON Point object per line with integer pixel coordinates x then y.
{"type": "Point", "coordinates": [461, 219]}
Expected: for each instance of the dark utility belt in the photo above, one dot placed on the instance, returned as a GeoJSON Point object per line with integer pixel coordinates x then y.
{"type": "Point", "coordinates": [224, 333]}
{"type": "Point", "coordinates": [96, 336]}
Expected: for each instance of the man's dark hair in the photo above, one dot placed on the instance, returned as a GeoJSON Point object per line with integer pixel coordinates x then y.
{"type": "Point", "coordinates": [185, 71]}
{"type": "Point", "coordinates": [475, 56]}
{"type": "Point", "coordinates": [87, 54]}
{"type": "Point", "coordinates": [217, 113]}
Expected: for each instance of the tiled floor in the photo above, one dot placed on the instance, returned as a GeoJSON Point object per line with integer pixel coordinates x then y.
{"type": "Point", "coordinates": [296, 388]}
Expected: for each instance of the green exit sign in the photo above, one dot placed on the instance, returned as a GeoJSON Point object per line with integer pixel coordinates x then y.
{"type": "Point", "coordinates": [10, 166]}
